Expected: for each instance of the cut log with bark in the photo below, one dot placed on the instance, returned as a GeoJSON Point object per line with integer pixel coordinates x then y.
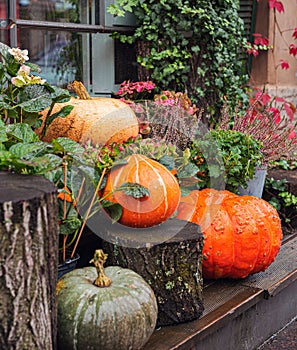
{"type": "Point", "coordinates": [29, 260]}
{"type": "Point", "coordinates": [172, 265]}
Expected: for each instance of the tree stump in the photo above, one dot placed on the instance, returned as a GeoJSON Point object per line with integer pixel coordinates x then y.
{"type": "Point", "coordinates": [172, 266]}
{"type": "Point", "coordinates": [29, 260]}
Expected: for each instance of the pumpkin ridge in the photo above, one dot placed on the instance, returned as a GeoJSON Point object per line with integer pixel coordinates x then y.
{"type": "Point", "coordinates": [110, 317]}
{"type": "Point", "coordinates": [161, 182]}
{"type": "Point", "coordinates": [233, 255]}
{"type": "Point", "coordinates": [262, 263]}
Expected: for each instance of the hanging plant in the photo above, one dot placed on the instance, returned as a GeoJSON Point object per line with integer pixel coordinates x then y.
{"type": "Point", "coordinates": [189, 46]}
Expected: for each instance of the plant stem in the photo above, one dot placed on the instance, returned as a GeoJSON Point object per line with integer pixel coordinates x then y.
{"type": "Point", "coordinates": [88, 212]}
{"type": "Point", "coordinates": [98, 260]}
{"type": "Point", "coordinates": [65, 164]}
{"type": "Point", "coordinates": [79, 88]}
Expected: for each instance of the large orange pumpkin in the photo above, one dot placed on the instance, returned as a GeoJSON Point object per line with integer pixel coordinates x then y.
{"type": "Point", "coordinates": [100, 120]}
{"type": "Point", "coordinates": [242, 234]}
{"type": "Point", "coordinates": [164, 191]}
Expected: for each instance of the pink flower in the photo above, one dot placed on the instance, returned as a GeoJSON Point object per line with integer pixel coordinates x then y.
{"type": "Point", "coordinates": [24, 69]}
{"type": "Point", "coordinates": [294, 35]}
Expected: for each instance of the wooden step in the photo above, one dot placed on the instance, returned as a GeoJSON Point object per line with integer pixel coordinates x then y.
{"type": "Point", "coordinates": [239, 314]}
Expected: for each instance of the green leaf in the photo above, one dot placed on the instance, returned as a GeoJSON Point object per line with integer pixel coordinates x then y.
{"type": "Point", "coordinates": [3, 136]}
{"type": "Point", "coordinates": [22, 132]}
{"type": "Point", "coordinates": [70, 225]}
{"type": "Point", "coordinates": [67, 146]}
{"type": "Point", "coordinates": [114, 210]}
{"type": "Point", "coordinates": [188, 170]}
{"type": "Point", "coordinates": [63, 112]}
{"type": "Point", "coordinates": [167, 161]}
{"type": "Point", "coordinates": [20, 150]}
{"type": "Point", "coordinates": [134, 190]}
{"type": "Point", "coordinates": [58, 94]}
{"type": "Point", "coordinates": [34, 98]}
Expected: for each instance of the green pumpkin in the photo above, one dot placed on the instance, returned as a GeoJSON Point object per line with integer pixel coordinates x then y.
{"type": "Point", "coordinates": [120, 313]}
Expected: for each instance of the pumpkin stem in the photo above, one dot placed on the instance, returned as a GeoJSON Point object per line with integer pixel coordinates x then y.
{"type": "Point", "coordinates": [98, 260]}
{"type": "Point", "coordinates": [79, 88]}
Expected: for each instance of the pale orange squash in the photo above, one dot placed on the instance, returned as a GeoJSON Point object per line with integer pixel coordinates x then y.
{"type": "Point", "coordinates": [100, 120]}
{"type": "Point", "coordinates": [164, 191]}
{"type": "Point", "coordinates": [242, 234]}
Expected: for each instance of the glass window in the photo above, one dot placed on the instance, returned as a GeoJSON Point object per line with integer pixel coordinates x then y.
{"type": "Point", "coordinates": [51, 10]}
{"type": "Point", "coordinates": [70, 39]}
{"type": "Point", "coordinates": [57, 53]}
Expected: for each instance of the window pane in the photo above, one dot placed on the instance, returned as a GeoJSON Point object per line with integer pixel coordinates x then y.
{"type": "Point", "coordinates": [125, 62]}
{"type": "Point", "coordinates": [58, 54]}
{"type": "Point", "coordinates": [73, 11]}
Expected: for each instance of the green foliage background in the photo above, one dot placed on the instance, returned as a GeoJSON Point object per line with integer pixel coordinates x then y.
{"type": "Point", "coordinates": [191, 46]}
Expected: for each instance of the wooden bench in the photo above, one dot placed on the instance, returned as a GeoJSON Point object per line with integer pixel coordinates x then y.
{"type": "Point", "coordinates": [239, 314]}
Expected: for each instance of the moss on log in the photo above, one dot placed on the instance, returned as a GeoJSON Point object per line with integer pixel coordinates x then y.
{"type": "Point", "coordinates": [171, 266]}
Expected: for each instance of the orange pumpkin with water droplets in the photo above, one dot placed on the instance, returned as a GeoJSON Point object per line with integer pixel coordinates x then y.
{"type": "Point", "coordinates": [164, 191]}
{"type": "Point", "coordinates": [242, 234]}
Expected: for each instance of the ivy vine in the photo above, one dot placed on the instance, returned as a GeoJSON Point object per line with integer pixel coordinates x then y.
{"type": "Point", "coordinates": [191, 46]}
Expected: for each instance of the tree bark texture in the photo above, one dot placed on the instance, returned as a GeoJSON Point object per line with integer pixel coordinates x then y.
{"type": "Point", "coordinates": [28, 262]}
{"type": "Point", "coordinates": [173, 268]}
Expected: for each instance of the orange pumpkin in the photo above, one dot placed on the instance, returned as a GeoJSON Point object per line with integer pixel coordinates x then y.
{"type": "Point", "coordinates": [100, 120]}
{"type": "Point", "coordinates": [242, 234]}
{"type": "Point", "coordinates": [164, 191]}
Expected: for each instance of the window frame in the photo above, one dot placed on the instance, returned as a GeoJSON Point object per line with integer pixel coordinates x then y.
{"type": "Point", "coordinates": [15, 22]}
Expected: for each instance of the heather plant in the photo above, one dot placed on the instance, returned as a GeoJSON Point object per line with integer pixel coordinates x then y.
{"type": "Point", "coordinates": [269, 120]}
{"type": "Point", "coordinates": [170, 123]}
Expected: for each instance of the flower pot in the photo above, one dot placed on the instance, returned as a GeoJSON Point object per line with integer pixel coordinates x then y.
{"type": "Point", "coordinates": [256, 184]}
{"type": "Point", "coordinates": [67, 266]}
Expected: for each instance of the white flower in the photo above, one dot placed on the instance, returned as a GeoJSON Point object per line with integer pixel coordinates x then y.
{"type": "Point", "coordinates": [20, 55]}
{"type": "Point", "coordinates": [19, 81]}
{"type": "Point", "coordinates": [23, 78]}
{"type": "Point", "coordinates": [24, 69]}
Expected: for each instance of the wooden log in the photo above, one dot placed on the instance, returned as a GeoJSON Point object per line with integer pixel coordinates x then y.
{"type": "Point", "coordinates": [169, 259]}
{"type": "Point", "coordinates": [28, 262]}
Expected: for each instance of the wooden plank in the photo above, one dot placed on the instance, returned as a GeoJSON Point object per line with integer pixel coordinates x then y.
{"type": "Point", "coordinates": [224, 300]}
{"type": "Point", "coordinates": [231, 300]}
{"type": "Point", "coordinates": [280, 273]}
